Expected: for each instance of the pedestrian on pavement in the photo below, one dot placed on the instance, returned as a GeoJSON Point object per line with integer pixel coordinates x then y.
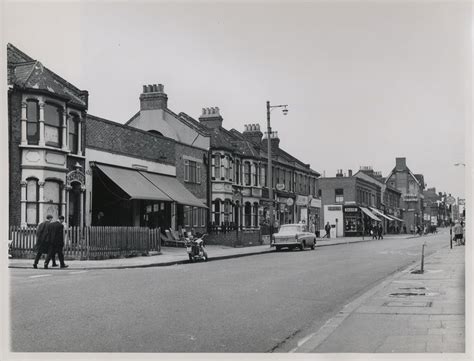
{"type": "Point", "coordinates": [41, 245]}
{"type": "Point", "coordinates": [327, 228]}
{"type": "Point", "coordinates": [458, 233]}
{"type": "Point", "coordinates": [380, 231]}
{"type": "Point", "coordinates": [56, 242]}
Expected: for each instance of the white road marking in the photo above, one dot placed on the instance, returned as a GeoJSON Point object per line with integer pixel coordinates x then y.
{"type": "Point", "coordinates": [76, 272]}
{"type": "Point", "coordinates": [37, 276]}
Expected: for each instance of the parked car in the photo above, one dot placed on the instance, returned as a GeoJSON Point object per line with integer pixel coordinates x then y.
{"type": "Point", "coordinates": [292, 236]}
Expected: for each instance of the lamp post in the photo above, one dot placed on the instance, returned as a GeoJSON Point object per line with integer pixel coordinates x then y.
{"type": "Point", "coordinates": [269, 153]}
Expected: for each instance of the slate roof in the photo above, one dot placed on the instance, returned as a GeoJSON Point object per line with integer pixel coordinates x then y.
{"type": "Point", "coordinates": [24, 72]}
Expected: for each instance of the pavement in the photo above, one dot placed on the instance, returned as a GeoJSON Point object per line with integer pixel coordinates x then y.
{"type": "Point", "coordinates": [173, 255]}
{"type": "Point", "coordinates": [408, 312]}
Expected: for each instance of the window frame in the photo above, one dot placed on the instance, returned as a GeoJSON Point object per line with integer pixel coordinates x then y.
{"type": "Point", "coordinates": [35, 202]}
{"type": "Point", "coordinates": [29, 139]}
{"type": "Point", "coordinates": [47, 123]}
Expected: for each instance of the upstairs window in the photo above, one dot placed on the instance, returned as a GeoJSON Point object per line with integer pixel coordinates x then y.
{"type": "Point", "coordinates": [74, 133]}
{"type": "Point", "coordinates": [247, 173]}
{"type": "Point", "coordinates": [192, 171]}
{"type": "Point", "coordinates": [217, 166]}
{"type": "Point", "coordinates": [32, 122]}
{"type": "Point", "coordinates": [339, 195]}
{"type": "Point", "coordinates": [52, 125]}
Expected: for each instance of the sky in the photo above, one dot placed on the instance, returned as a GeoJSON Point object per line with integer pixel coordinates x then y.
{"type": "Point", "coordinates": [365, 82]}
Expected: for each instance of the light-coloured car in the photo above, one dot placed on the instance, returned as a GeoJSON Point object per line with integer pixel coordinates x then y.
{"type": "Point", "coordinates": [292, 236]}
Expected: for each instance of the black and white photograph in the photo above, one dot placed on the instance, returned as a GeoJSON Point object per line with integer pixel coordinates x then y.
{"type": "Point", "coordinates": [217, 178]}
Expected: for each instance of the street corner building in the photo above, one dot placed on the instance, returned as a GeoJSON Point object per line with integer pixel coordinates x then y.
{"type": "Point", "coordinates": [159, 169]}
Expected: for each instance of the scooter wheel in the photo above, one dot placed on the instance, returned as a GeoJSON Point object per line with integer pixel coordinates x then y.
{"type": "Point", "coordinates": [205, 257]}
{"type": "Point", "coordinates": [191, 258]}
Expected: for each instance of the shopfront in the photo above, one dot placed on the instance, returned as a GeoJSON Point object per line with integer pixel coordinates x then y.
{"type": "Point", "coordinates": [353, 225]}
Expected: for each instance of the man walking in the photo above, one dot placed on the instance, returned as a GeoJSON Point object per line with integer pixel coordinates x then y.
{"type": "Point", "coordinates": [42, 245]}
{"type": "Point", "coordinates": [380, 231]}
{"type": "Point", "coordinates": [458, 233]}
{"type": "Point", "coordinates": [56, 242]}
{"type": "Point", "coordinates": [327, 228]}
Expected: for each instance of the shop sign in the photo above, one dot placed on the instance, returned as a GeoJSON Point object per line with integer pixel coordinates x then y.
{"type": "Point", "coordinates": [334, 208]}
{"type": "Point", "coordinates": [316, 203]}
{"type": "Point", "coordinates": [280, 187]}
{"type": "Point", "coordinates": [351, 209]}
{"type": "Point", "coordinates": [289, 202]}
{"type": "Point", "coordinates": [301, 200]}
{"type": "Point", "coordinates": [256, 192]}
{"type": "Point", "coordinates": [410, 198]}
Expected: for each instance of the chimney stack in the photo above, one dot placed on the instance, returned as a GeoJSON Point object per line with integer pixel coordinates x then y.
{"type": "Point", "coordinates": [400, 163]}
{"type": "Point", "coordinates": [211, 118]}
{"type": "Point", "coordinates": [274, 141]}
{"type": "Point", "coordinates": [350, 172]}
{"type": "Point", "coordinates": [253, 133]}
{"type": "Point", "coordinates": [339, 173]}
{"type": "Point", "coordinates": [153, 97]}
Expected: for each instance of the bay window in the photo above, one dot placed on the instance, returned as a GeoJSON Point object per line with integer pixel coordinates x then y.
{"type": "Point", "coordinates": [74, 133]}
{"type": "Point", "coordinates": [53, 116]}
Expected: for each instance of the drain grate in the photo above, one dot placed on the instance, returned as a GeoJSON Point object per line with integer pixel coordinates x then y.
{"type": "Point", "coordinates": [406, 294]}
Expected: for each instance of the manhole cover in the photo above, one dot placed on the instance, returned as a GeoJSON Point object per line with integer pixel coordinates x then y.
{"type": "Point", "coordinates": [407, 304]}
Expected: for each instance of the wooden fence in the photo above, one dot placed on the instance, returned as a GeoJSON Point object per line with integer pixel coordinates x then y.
{"type": "Point", "coordinates": [91, 242]}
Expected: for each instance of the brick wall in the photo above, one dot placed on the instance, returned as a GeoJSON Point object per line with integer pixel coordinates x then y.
{"type": "Point", "coordinates": [121, 139]}
{"type": "Point", "coordinates": [199, 190]}
{"type": "Point", "coordinates": [14, 140]}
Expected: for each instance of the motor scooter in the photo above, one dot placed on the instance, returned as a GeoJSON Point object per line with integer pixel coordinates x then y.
{"type": "Point", "coordinates": [196, 249]}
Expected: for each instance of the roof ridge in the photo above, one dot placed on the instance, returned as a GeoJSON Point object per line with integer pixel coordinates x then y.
{"type": "Point", "coordinates": [14, 48]}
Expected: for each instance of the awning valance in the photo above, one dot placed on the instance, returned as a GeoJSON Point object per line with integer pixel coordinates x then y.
{"type": "Point", "coordinates": [370, 214]}
{"type": "Point", "coordinates": [133, 183]}
{"type": "Point", "coordinates": [173, 189]}
{"type": "Point", "coordinates": [377, 212]}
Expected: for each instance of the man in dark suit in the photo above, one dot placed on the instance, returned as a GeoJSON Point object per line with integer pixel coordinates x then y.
{"type": "Point", "coordinates": [56, 242]}
{"type": "Point", "coordinates": [41, 246]}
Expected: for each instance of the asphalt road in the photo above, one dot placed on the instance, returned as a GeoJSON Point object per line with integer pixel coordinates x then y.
{"type": "Point", "coordinates": [263, 303]}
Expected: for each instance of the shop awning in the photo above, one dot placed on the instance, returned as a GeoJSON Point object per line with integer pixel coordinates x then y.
{"type": "Point", "coordinates": [370, 214]}
{"type": "Point", "coordinates": [173, 189]}
{"type": "Point", "coordinates": [377, 212]}
{"type": "Point", "coordinates": [133, 183]}
{"type": "Point", "coordinates": [397, 219]}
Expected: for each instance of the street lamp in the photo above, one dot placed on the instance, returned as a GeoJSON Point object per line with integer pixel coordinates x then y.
{"type": "Point", "coordinates": [269, 171]}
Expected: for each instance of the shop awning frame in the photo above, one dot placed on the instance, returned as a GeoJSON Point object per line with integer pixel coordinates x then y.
{"type": "Point", "coordinates": [397, 219]}
{"type": "Point", "coordinates": [370, 214]}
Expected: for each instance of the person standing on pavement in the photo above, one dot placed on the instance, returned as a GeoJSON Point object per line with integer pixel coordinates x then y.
{"type": "Point", "coordinates": [327, 228]}
{"type": "Point", "coordinates": [457, 233]}
{"type": "Point", "coordinates": [41, 245]}
{"type": "Point", "coordinates": [380, 231]}
{"type": "Point", "coordinates": [56, 242]}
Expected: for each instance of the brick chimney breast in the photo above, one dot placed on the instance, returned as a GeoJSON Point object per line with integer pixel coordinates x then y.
{"type": "Point", "coordinates": [400, 163]}
{"type": "Point", "coordinates": [252, 133]}
{"type": "Point", "coordinates": [153, 97]}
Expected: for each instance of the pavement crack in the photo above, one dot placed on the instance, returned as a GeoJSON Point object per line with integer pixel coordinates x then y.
{"type": "Point", "coordinates": [282, 342]}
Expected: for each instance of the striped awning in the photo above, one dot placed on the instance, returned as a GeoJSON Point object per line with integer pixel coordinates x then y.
{"type": "Point", "coordinates": [370, 214]}
{"type": "Point", "coordinates": [377, 212]}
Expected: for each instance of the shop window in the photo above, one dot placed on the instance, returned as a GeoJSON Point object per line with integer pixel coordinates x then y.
{"type": "Point", "coordinates": [192, 171]}
{"type": "Point", "coordinates": [32, 122]}
{"type": "Point", "coordinates": [339, 195]}
{"type": "Point", "coordinates": [32, 204]}
{"type": "Point", "coordinates": [52, 198]}
{"type": "Point", "coordinates": [74, 133]}
{"type": "Point", "coordinates": [52, 125]}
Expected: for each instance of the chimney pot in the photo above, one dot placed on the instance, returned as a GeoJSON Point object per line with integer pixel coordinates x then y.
{"type": "Point", "coordinates": [144, 88]}
{"type": "Point", "coordinates": [161, 88]}
{"type": "Point", "coordinates": [155, 88]}
{"type": "Point", "coordinates": [350, 172]}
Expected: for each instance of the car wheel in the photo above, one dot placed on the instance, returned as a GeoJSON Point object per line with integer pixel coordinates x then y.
{"type": "Point", "coordinates": [277, 248]}
{"type": "Point", "coordinates": [302, 244]}
{"type": "Point", "coordinates": [313, 245]}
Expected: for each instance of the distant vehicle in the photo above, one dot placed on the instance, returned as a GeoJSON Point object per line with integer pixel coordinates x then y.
{"type": "Point", "coordinates": [294, 236]}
